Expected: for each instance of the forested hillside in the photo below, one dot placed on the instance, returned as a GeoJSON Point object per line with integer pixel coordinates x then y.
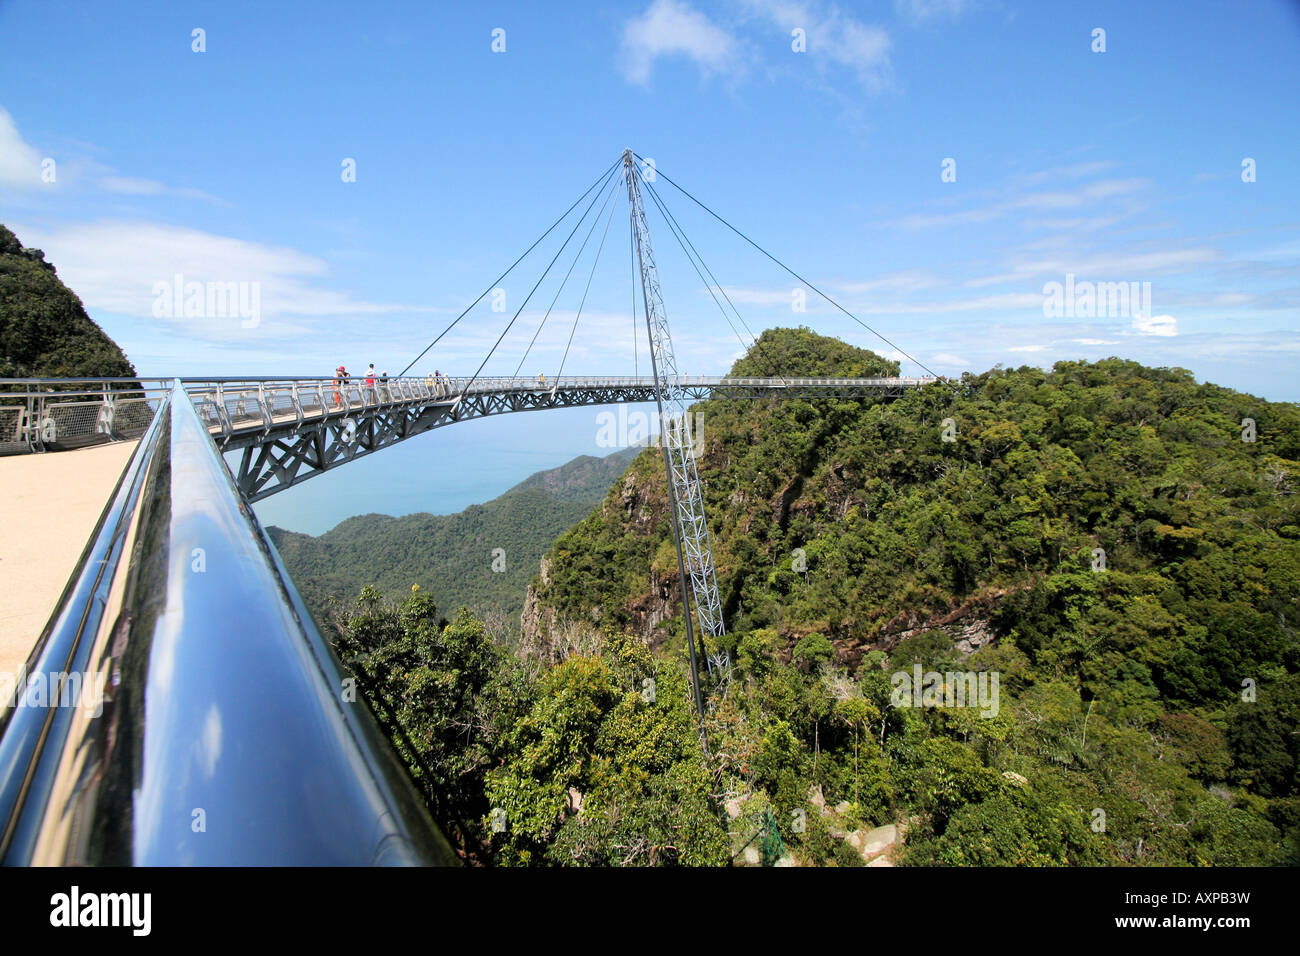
{"type": "Point", "coordinates": [456, 555]}
{"type": "Point", "coordinates": [1119, 545]}
{"type": "Point", "coordinates": [44, 329]}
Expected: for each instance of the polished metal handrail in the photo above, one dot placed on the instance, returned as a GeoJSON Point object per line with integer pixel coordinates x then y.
{"type": "Point", "coordinates": [214, 726]}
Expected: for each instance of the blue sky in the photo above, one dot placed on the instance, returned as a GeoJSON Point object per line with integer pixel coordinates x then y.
{"type": "Point", "coordinates": [1122, 166]}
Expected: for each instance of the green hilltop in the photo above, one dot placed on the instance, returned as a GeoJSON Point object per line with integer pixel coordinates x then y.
{"type": "Point", "coordinates": [44, 329]}
{"type": "Point", "coordinates": [1119, 544]}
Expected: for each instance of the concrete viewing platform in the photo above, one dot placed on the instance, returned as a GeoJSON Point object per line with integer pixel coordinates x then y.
{"type": "Point", "coordinates": [49, 504]}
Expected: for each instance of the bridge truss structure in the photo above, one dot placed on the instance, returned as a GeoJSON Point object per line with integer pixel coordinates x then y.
{"type": "Point", "coordinates": [290, 430]}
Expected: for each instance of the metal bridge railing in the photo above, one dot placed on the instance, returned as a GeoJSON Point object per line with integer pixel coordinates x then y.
{"type": "Point", "coordinates": [202, 686]}
{"type": "Point", "coordinates": [55, 414]}
{"type": "Point", "coordinates": [52, 414]}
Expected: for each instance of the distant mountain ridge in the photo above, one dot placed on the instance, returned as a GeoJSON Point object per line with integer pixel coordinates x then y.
{"type": "Point", "coordinates": [481, 558]}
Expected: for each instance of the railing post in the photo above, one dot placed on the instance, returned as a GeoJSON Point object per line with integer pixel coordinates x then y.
{"type": "Point", "coordinates": [223, 413]}
{"type": "Point", "coordinates": [40, 422]}
{"type": "Point", "coordinates": [261, 402]}
{"type": "Point", "coordinates": [106, 413]}
{"type": "Point", "coordinates": [30, 429]}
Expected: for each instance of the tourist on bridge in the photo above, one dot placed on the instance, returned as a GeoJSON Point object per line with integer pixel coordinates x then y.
{"type": "Point", "coordinates": [340, 379]}
{"type": "Point", "coordinates": [370, 381]}
{"type": "Point", "coordinates": [383, 386]}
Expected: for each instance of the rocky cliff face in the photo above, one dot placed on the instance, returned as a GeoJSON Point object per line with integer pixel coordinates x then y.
{"type": "Point", "coordinates": [538, 623]}
{"type": "Point", "coordinates": [637, 506]}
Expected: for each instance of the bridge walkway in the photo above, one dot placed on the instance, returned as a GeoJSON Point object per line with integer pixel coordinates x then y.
{"type": "Point", "coordinates": [48, 510]}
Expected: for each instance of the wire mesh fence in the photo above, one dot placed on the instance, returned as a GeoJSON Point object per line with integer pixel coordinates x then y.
{"type": "Point", "coordinates": [58, 414]}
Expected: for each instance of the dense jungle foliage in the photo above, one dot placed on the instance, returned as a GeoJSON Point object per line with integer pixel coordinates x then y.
{"type": "Point", "coordinates": [1118, 546]}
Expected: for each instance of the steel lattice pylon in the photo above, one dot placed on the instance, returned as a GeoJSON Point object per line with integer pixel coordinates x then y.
{"type": "Point", "coordinates": [694, 550]}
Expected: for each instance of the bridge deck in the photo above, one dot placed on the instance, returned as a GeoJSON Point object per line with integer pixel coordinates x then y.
{"type": "Point", "coordinates": [47, 512]}
{"type": "Point", "coordinates": [241, 408]}
{"type": "Point", "coordinates": [289, 430]}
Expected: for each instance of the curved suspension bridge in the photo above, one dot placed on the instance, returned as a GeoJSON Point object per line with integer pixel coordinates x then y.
{"type": "Point", "coordinates": [182, 621]}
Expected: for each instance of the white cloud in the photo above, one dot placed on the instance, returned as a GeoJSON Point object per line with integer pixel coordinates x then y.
{"type": "Point", "coordinates": [672, 28]}
{"type": "Point", "coordinates": [1165, 325]}
{"type": "Point", "coordinates": [1095, 341]}
{"type": "Point", "coordinates": [20, 163]}
{"type": "Point", "coordinates": [1028, 348]}
{"type": "Point", "coordinates": [113, 267]}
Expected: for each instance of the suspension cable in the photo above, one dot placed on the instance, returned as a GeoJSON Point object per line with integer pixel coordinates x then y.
{"type": "Point", "coordinates": [599, 180]}
{"type": "Point", "coordinates": [687, 194]}
{"type": "Point", "coordinates": [636, 333]}
{"type": "Point", "coordinates": [684, 240]}
{"type": "Point", "coordinates": [590, 276]}
{"type": "Point", "coordinates": [524, 304]}
{"type": "Point", "coordinates": [578, 255]}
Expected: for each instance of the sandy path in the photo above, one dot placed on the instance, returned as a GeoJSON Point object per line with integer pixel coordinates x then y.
{"type": "Point", "coordinates": [49, 504]}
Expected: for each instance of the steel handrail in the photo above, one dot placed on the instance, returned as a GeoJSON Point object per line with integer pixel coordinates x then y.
{"type": "Point", "coordinates": [225, 734]}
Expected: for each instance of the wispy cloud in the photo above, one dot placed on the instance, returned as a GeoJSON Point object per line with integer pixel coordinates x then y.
{"type": "Point", "coordinates": [892, 305]}
{"type": "Point", "coordinates": [21, 168]}
{"type": "Point", "coordinates": [830, 37]}
{"type": "Point", "coordinates": [950, 360]}
{"type": "Point", "coordinates": [907, 280]}
{"type": "Point", "coordinates": [1111, 266]}
{"type": "Point", "coordinates": [148, 187]}
{"type": "Point", "coordinates": [1081, 198]}
{"type": "Point", "coordinates": [1058, 173]}
{"type": "Point", "coordinates": [833, 38]}
{"type": "Point", "coordinates": [114, 266]}
{"type": "Point", "coordinates": [922, 11]}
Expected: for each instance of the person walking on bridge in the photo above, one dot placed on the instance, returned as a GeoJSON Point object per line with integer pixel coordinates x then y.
{"type": "Point", "coordinates": [340, 379]}
{"type": "Point", "coordinates": [370, 381]}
